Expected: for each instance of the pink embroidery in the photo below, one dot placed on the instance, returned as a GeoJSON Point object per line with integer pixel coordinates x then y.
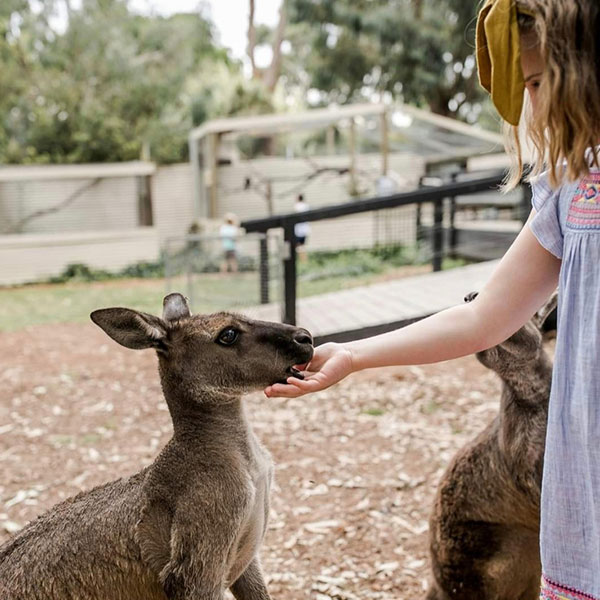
{"type": "Point", "coordinates": [577, 209]}
{"type": "Point", "coordinates": [554, 591]}
{"type": "Point", "coordinates": [584, 210]}
{"type": "Point", "coordinates": [584, 221]}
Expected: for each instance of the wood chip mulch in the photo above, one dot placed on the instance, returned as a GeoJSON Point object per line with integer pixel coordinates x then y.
{"type": "Point", "coordinates": [356, 465]}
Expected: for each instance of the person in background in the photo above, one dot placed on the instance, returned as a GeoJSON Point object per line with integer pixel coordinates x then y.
{"type": "Point", "coordinates": [301, 230]}
{"type": "Point", "coordinates": [228, 233]}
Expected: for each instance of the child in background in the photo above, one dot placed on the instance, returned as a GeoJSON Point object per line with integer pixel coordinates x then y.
{"type": "Point", "coordinates": [301, 230]}
{"type": "Point", "coordinates": [550, 49]}
{"type": "Point", "coordinates": [228, 233]}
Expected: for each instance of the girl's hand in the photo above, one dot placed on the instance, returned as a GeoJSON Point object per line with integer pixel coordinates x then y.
{"type": "Point", "coordinates": [330, 363]}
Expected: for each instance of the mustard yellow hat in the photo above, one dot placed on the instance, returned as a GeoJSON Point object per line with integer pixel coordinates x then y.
{"type": "Point", "coordinates": [499, 57]}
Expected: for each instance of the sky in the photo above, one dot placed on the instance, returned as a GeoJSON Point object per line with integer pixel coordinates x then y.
{"type": "Point", "coordinates": [229, 16]}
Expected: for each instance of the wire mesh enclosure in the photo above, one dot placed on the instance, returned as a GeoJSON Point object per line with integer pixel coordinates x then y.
{"type": "Point", "coordinates": [429, 233]}
{"type": "Point", "coordinates": [241, 273]}
{"type": "Point", "coordinates": [359, 250]}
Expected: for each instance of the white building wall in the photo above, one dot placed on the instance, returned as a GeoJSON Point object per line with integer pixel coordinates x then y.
{"type": "Point", "coordinates": [111, 206]}
{"type": "Point", "coordinates": [33, 257]}
{"type": "Point", "coordinates": [172, 200]}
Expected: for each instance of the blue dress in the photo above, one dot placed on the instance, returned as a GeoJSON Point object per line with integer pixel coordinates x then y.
{"type": "Point", "coordinates": [567, 224]}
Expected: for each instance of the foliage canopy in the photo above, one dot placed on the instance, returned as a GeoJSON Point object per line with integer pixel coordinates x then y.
{"type": "Point", "coordinates": [419, 50]}
{"type": "Point", "coordinates": [112, 85]}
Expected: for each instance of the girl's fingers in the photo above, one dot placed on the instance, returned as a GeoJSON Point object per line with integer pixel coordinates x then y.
{"type": "Point", "coordinates": [311, 383]}
{"type": "Point", "coordinates": [327, 367]}
{"type": "Point", "coordinates": [282, 390]}
{"type": "Point", "coordinates": [295, 387]}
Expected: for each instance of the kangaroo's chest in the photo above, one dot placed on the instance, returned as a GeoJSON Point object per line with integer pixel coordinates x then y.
{"type": "Point", "coordinates": [254, 525]}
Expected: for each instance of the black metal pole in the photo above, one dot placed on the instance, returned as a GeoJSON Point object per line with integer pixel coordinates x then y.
{"type": "Point", "coordinates": [453, 231]}
{"type": "Point", "coordinates": [438, 234]}
{"type": "Point", "coordinates": [264, 270]}
{"type": "Point", "coordinates": [418, 217]}
{"type": "Point", "coordinates": [419, 227]}
{"type": "Point", "coordinates": [289, 276]}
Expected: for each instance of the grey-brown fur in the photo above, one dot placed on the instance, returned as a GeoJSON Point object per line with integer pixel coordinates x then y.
{"type": "Point", "coordinates": [189, 525]}
{"type": "Point", "coordinates": [484, 529]}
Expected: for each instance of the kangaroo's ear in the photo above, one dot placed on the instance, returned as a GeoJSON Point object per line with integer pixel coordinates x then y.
{"type": "Point", "coordinates": [541, 315]}
{"type": "Point", "coordinates": [131, 328]}
{"type": "Point", "coordinates": [175, 307]}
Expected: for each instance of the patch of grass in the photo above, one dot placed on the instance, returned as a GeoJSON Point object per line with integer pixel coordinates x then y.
{"type": "Point", "coordinates": [431, 407]}
{"type": "Point", "coordinates": [90, 438]}
{"type": "Point", "coordinates": [373, 412]}
{"type": "Point", "coordinates": [73, 302]}
{"type": "Point", "coordinates": [61, 439]}
{"type": "Point", "coordinates": [76, 297]}
{"type": "Point", "coordinates": [453, 263]}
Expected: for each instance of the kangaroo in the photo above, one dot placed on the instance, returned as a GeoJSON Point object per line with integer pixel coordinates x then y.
{"type": "Point", "coordinates": [190, 525]}
{"type": "Point", "coordinates": [484, 528]}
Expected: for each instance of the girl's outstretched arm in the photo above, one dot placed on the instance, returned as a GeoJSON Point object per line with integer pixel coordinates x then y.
{"type": "Point", "coordinates": [521, 283]}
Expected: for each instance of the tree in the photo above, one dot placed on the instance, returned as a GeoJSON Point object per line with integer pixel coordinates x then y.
{"type": "Point", "coordinates": [108, 86]}
{"type": "Point", "coordinates": [417, 50]}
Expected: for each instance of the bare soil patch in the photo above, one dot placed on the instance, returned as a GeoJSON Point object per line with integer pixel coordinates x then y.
{"type": "Point", "coordinates": [356, 465]}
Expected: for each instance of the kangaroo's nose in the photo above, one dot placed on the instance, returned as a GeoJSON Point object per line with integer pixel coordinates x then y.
{"type": "Point", "coordinates": [303, 337]}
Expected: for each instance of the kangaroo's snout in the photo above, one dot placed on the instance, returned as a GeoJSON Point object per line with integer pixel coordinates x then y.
{"type": "Point", "coordinates": [302, 337]}
{"type": "Point", "coordinates": [302, 345]}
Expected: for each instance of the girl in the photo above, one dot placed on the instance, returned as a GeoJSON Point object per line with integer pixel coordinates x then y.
{"type": "Point", "coordinates": [549, 49]}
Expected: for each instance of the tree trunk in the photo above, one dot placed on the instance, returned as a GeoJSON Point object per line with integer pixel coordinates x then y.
{"type": "Point", "coordinates": [418, 9]}
{"type": "Point", "coordinates": [69, 10]}
{"type": "Point", "coordinates": [252, 40]}
{"type": "Point", "coordinates": [274, 70]}
{"type": "Point", "coordinates": [439, 103]}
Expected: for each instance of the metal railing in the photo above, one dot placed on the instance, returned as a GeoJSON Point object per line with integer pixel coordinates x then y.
{"type": "Point", "coordinates": [441, 197]}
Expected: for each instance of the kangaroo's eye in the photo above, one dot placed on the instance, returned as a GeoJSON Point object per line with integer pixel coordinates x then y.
{"type": "Point", "coordinates": [228, 336]}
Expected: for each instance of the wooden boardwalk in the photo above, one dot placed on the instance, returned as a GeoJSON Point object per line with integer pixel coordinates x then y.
{"type": "Point", "coordinates": [363, 311]}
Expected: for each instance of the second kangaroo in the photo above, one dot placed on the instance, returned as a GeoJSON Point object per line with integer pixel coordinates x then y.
{"type": "Point", "coordinates": [484, 530]}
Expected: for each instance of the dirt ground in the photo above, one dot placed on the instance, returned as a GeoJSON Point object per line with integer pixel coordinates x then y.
{"type": "Point", "coordinates": [356, 465]}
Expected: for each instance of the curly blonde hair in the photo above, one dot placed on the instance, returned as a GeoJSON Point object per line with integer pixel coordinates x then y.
{"type": "Point", "coordinates": [567, 120]}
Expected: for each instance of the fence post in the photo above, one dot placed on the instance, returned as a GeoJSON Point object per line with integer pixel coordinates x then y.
{"type": "Point", "coordinates": [438, 234]}
{"type": "Point", "coordinates": [418, 217]}
{"type": "Point", "coordinates": [264, 270]}
{"type": "Point", "coordinates": [289, 275]}
{"type": "Point", "coordinates": [453, 231]}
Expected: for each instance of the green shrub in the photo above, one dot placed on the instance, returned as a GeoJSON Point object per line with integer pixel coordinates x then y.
{"type": "Point", "coordinates": [178, 263]}
{"type": "Point", "coordinates": [83, 272]}
{"type": "Point", "coordinates": [80, 272]}
{"type": "Point", "coordinates": [352, 262]}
